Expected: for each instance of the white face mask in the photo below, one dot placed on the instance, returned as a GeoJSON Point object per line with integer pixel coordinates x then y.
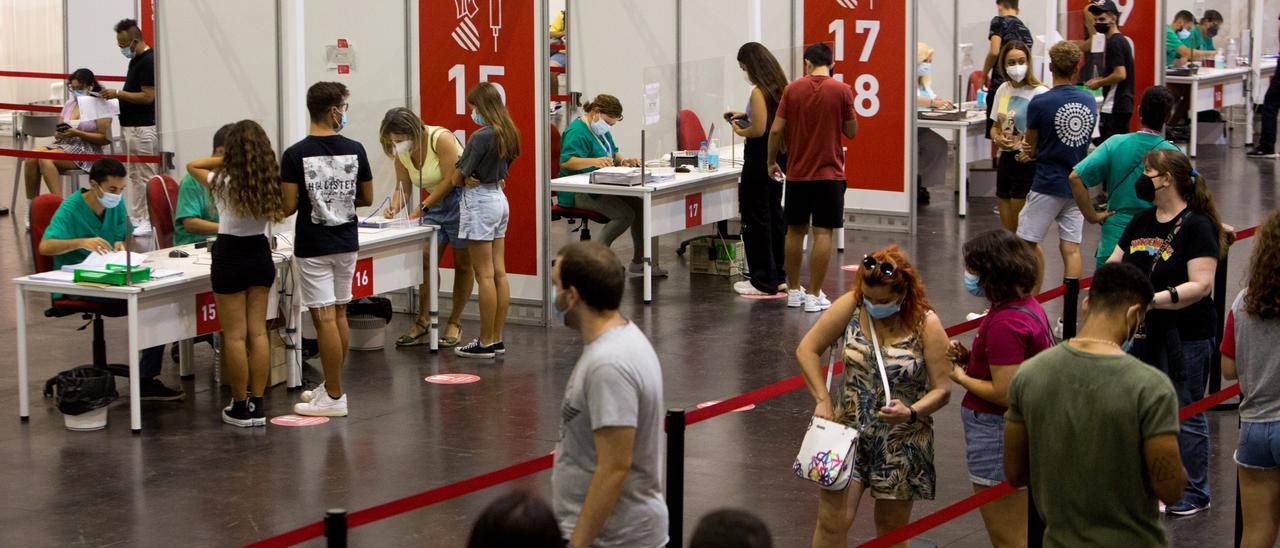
{"type": "Point", "coordinates": [1016, 72]}
{"type": "Point", "coordinates": [747, 78]}
{"type": "Point", "coordinates": [403, 147]}
{"type": "Point", "coordinates": [923, 69]}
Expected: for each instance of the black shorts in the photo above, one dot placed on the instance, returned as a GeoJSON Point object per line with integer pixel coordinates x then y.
{"type": "Point", "coordinates": [817, 203]}
{"type": "Point", "coordinates": [241, 262]}
{"type": "Point", "coordinates": [1014, 178]}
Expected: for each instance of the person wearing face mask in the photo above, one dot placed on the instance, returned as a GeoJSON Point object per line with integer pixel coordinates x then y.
{"type": "Point", "coordinates": [1203, 34]}
{"type": "Point", "coordinates": [1005, 27]}
{"type": "Point", "coordinates": [607, 477]}
{"type": "Point", "coordinates": [587, 145]}
{"type": "Point", "coordinates": [1009, 117]}
{"type": "Point", "coordinates": [74, 136]}
{"type": "Point", "coordinates": [324, 178]}
{"type": "Point", "coordinates": [885, 320]}
{"type": "Point", "coordinates": [1086, 409]}
{"type": "Point", "coordinates": [1178, 243]}
{"type": "Point", "coordinates": [1178, 50]}
{"type": "Point", "coordinates": [1117, 75]}
{"type": "Point", "coordinates": [94, 221]}
{"type": "Point", "coordinates": [137, 118]}
{"type": "Point", "coordinates": [932, 148]}
{"type": "Point", "coordinates": [1002, 270]}
{"type": "Point", "coordinates": [424, 157]}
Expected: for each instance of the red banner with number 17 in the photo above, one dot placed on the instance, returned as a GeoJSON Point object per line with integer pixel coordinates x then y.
{"type": "Point", "coordinates": [866, 37]}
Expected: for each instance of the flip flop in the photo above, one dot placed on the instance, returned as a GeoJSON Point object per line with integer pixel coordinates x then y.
{"type": "Point", "coordinates": [450, 342]}
{"type": "Point", "coordinates": [419, 340]}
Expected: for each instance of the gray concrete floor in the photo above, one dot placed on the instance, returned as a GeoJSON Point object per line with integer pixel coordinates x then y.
{"type": "Point", "coordinates": [190, 480]}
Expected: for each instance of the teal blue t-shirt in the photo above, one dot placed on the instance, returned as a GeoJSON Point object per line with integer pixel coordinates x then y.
{"type": "Point", "coordinates": [75, 219]}
{"type": "Point", "coordinates": [1117, 165]}
{"type": "Point", "coordinates": [578, 141]}
{"type": "Point", "coordinates": [193, 201]}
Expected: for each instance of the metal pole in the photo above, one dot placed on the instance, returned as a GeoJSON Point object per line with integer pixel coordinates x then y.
{"type": "Point", "coordinates": [1035, 527]}
{"type": "Point", "coordinates": [675, 477]}
{"type": "Point", "coordinates": [1239, 525]}
{"type": "Point", "coordinates": [1069, 303]}
{"type": "Point", "coordinates": [335, 528]}
{"type": "Point", "coordinates": [1220, 305]}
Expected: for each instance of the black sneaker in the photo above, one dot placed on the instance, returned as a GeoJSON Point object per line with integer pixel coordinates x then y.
{"type": "Point", "coordinates": [475, 350]}
{"type": "Point", "coordinates": [237, 414]}
{"type": "Point", "coordinates": [154, 390]}
{"type": "Point", "coordinates": [1261, 153]}
{"type": "Point", "coordinates": [257, 411]}
{"type": "Point", "coordinates": [499, 348]}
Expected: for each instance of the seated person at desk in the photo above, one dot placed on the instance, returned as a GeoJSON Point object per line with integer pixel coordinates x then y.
{"type": "Point", "coordinates": [587, 145]}
{"type": "Point", "coordinates": [1203, 34]}
{"type": "Point", "coordinates": [1200, 45]}
{"type": "Point", "coordinates": [94, 221]}
{"type": "Point", "coordinates": [933, 148]}
{"type": "Point", "coordinates": [194, 218]}
{"type": "Point", "coordinates": [74, 136]}
{"type": "Point", "coordinates": [1178, 50]}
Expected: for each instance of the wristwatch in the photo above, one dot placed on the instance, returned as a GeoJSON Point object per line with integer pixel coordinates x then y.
{"type": "Point", "coordinates": [1173, 294]}
{"type": "Point", "coordinates": [913, 415]}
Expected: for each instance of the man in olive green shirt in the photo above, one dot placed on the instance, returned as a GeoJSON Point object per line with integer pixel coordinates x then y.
{"type": "Point", "coordinates": [1093, 431]}
{"type": "Point", "coordinates": [195, 219]}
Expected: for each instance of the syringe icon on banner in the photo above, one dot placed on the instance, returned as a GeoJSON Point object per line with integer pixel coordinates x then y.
{"type": "Point", "coordinates": [495, 21]}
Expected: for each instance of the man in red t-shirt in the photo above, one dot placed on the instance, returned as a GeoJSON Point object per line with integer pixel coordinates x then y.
{"type": "Point", "coordinates": [813, 115]}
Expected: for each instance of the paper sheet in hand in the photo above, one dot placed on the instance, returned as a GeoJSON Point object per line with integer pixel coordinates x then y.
{"type": "Point", "coordinates": [92, 108]}
{"type": "Point", "coordinates": [99, 262]}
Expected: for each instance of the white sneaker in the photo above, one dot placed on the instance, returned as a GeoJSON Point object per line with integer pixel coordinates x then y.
{"type": "Point", "coordinates": [745, 288]}
{"type": "Point", "coordinates": [142, 228]}
{"type": "Point", "coordinates": [975, 315]}
{"type": "Point", "coordinates": [322, 405]}
{"type": "Point", "coordinates": [308, 395]}
{"type": "Point", "coordinates": [816, 303]}
{"type": "Point", "coordinates": [782, 287]}
{"type": "Point", "coordinates": [795, 298]}
{"type": "Point", "coordinates": [1057, 329]}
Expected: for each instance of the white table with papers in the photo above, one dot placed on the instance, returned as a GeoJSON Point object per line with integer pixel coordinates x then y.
{"type": "Point", "coordinates": [970, 140]}
{"type": "Point", "coordinates": [1212, 89]}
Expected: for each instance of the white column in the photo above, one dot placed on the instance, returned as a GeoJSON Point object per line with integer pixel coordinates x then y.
{"type": "Point", "coordinates": [293, 74]}
{"type": "Point", "coordinates": [755, 21]}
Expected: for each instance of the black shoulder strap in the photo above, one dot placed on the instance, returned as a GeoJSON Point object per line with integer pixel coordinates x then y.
{"type": "Point", "coordinates": [1048, 330]}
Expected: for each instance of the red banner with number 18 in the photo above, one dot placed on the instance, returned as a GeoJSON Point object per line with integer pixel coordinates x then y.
{"type": "Point", "coordinates": [866, 37]}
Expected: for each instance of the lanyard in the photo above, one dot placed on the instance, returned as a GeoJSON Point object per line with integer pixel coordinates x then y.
{"type": "Point", "coordinates": [608, 150]}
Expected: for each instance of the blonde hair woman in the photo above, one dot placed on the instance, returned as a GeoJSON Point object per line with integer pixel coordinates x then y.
{"type": "Point", "coordinates": [931, 147]}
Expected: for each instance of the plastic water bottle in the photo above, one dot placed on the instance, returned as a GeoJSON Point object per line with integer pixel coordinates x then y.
{"type": "Point", "coordinates": [703, 157]}
{"type": "Point", "coordinates": [1219, 60]}
{"type": "Point", "coordinates": [713, 156]}
{"type": "Point", "coordinates": [1233, 53]}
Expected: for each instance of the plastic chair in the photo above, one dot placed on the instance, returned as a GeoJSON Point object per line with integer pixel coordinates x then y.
{"type": "Point", "coordinates": [570, 214]}
{"type": "Point", "coordinates": [31, 125]}
{"type": "Point", "coordinates": [975, 83]}
{"type": "Point", "coordinates": [43, 208]}
{"type": "Point", "coordinates": [162, 200]}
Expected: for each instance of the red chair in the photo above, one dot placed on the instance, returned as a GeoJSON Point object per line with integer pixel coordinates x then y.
{"type": "Point", "coordinates": [975, 83]}
{"type": "Point", "coordinates": [570, 214]}
{"type": "Point", "coordinates": [162, 202]}
{"type": "Point", "coordinates": [689, 131]}
{"type": "Point", "coordinates": [42, 211]}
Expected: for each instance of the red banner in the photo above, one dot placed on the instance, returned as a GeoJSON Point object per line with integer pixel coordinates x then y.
{"type": "Point", "coordinates": [1139, 22]}
{"type": "Point", "coordinates": [867, 39]}
{"type": "Point", "coordinates": [463, 43]}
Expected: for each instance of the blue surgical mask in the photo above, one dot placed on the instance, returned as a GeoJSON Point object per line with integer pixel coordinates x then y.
{"type": "Point", "coordinates": [923, 69]}
{"type": "Point", "coordinates": [478, 118]}
{"type": "Point", "coordinates": [971, 282]}
{"type": "Point", "coordinates": [881, 311]}
{"type": "Point", "coordinates": [127, 52]}
{"type": "Point", "coordinates": [555, 309]}
{"type": "Point", "coordinates": [1184, 34]}
{"type": "Point", "coordinates": [342, 121]}
{"type": "Point", "coordinates": [600, 126]}
{"type": "Point", "coordinates": [79, 93]}
{"type": "Point", "coordinates": [109, 200]}
{"type": "Point", "coordinates": [1128, 342]}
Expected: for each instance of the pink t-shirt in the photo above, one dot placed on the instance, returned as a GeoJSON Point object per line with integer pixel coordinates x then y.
{"type": "Point", "coordinates": [1007, 336]}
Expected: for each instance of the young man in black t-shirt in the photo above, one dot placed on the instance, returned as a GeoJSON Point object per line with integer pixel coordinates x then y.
{"type": "Point", "coordinates": [137, 119]}
{"type": "Point", "coordinates": [325, 177]}
{"type": "Point", "coordinates": [1117, 81]}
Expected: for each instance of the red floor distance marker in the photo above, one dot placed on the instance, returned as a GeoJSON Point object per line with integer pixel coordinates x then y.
{"type": "Point", "coordinates": [707, 404]}
{"type": "Point", "coordinates": [452, 378]}
{"type": "Point", "coordinates": [298, 420]}
{"type": "Point", "coordinates": [850, 268]}
{"type": "Point", "coordinates": [765, 297]}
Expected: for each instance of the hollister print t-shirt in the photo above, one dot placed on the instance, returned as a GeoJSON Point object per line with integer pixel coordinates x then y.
{"type": "Point", "coordinates": [329, 169]}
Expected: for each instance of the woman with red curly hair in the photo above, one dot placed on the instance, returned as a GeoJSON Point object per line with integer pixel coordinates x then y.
{"type": "Point", "coordinates": [894, 457]}
{"type": "Point", "coordinates": [1249, 352]}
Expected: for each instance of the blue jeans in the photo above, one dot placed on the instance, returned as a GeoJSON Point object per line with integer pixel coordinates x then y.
{"type": "Point", "coordinates": [1193, 437]}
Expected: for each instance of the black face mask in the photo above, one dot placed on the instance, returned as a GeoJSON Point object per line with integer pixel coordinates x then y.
{"type": "Point", "coordinates": [1145, 188]}
{"type": "Point", "coordinates": [1102, 28]}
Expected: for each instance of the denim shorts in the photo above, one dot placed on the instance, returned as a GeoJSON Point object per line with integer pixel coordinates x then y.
{"type": "Point", "coordinates": [1259, 446]}
{"type": "Point", "coordinates": [445, 214]}
{"type": "Point", "coordinates": [484, 213]}
{"type": "Point", "coordinates": [983, 446]}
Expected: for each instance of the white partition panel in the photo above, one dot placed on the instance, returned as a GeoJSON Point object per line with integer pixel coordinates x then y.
{"type": "Point", "coordinates": [91, 38]}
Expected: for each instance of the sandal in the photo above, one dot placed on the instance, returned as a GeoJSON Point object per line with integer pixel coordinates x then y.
{"type": "Point", "coordinates": [414, 340]}
{"type": "Point", "coordinates": [450, 342]}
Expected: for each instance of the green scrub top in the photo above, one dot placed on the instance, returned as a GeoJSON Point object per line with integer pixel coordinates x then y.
{"type": "Point", "coordinates": [578, 141]}
{"type": "Point", "coordinates": [1171, 44]}
{"type": "Point", "coordinates": [1199, 41]}
{"type": "Point", "coordinates": [75, 219]}
{"type": "Point", "coordinates": [193, 201]}
{"type": "Point", "coordinates": [1117, 165]}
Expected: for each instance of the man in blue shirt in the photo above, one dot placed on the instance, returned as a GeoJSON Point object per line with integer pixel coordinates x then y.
{"type": "Point", "coordinates": [1060, 123]}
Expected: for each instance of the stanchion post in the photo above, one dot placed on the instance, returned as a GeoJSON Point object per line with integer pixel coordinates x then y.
{"type": "Point", "coordinates": [1070, 303]}
{"type": "Point", "coordinates": [1035, 526]}
{"type": "Point", "coordinates": [335, 528]}
{"type": "Point", "coordinates": [675, 477]}
{"type": "Point", "coordinates": [1219, 304]}
{"type": "Point", "coordinates": [1239, 516]}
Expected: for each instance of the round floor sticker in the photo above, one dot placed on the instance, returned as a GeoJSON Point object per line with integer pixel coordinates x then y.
{"type": "Point", "coordinates": [765, 297]}
{"type": "Point", "coordinates": [452, 378]}
{"type": "Point", "coordinates": [298, 420]}
{"type": "Point", "coordinates": [850, 268]}
{"type": "Point", "coordinates": [707, 404]}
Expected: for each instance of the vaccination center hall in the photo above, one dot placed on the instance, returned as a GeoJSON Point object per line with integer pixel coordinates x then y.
{"type": "Point", "coordinates": [640, 273]}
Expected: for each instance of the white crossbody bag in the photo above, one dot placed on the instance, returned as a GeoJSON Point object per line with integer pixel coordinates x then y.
{"type": "Point", "coordinates": [829, 448]}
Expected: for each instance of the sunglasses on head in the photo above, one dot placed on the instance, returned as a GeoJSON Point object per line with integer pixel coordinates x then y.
{"type": "Point", "coordinates": [884, 269]}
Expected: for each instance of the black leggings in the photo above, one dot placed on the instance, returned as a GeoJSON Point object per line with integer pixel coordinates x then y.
{"type": "Point", "coordinates": [763, 229]}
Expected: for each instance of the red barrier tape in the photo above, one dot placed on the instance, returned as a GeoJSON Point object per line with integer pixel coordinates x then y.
{"type": "Point", "coordinates": [32, 108]}
{"type": "Point", "coordinates": [42, 155]}
{"type": "Point", "coordinates": [557, 70]}
{"type": "Point", "coordinates": [53, 76]}
{"type": "Point", "coordinates": [413, 502]}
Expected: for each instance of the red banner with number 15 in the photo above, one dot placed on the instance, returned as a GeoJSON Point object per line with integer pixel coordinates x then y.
{"type": "Point", "coordinates": [866, 37]}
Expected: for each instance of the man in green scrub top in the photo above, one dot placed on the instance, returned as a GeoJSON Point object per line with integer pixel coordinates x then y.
{"type": "Point", "coordinates": [195, 219]}
{"type": "Point", "coordinates": [95, 221]}
{"type": "Point", "coordinates": [1177, 41]}
{"type": "Point", "coordinates": [1117, 165]}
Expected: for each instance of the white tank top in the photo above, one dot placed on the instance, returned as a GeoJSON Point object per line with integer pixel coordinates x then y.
{"type": "Point", "coordinates": [234, 225]}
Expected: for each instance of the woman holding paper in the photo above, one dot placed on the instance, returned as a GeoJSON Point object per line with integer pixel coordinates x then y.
{"type": "Point", "coordinates": [895, 377]}
{"type": "Point", "coordinates": [74, 136]}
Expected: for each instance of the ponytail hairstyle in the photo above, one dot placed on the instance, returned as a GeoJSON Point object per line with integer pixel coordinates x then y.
{"type": "Point", "coordinates": [400, 121]}
{"type": "Point", "coordinates": [85, 77]}
{"type": "Point", "coordinates": [764, 71]}
{"type": "Point", "coordinates": [486, 99]}
{"type": "Point", "coordinates": [1263, 297]}
{"type": "Point", "coordinates": [1191, 185]}
{"type": "Point", "coordinates": [249, 179]}
{"type": "Point", "coordinates": [607, 105]}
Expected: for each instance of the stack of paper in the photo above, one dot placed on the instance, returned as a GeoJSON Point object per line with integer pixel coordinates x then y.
{"type": "Point", "coordinates": [97, 261]}
{"type": "Point", "coordinates": [627, 176]}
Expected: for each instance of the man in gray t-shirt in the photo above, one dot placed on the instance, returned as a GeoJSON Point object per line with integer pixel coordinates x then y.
{"type": "Point", "coordinates": [607, 479]}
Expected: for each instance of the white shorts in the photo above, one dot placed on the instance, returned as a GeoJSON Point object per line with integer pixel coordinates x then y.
{"type": "Point", "coordinates": [1043, 209]}
{"type": "Point", "coordinates": [483, 215]}
{"type": "Point", "coordinates": [325, 281]}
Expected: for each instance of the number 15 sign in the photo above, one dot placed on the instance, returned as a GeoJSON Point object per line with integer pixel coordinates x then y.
{"type": "Point", "coordinates": [872, 48]}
